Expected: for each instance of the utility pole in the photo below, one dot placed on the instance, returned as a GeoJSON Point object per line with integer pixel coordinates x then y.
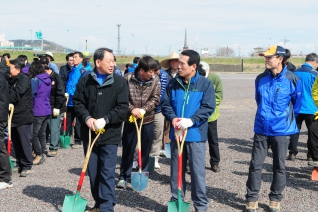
{"type": "Point", "coordinates": [118, 47]}
{"type": "Point", "coordinates": [86, 46]}
{"type": "Point", "coordinates": [285, 41]}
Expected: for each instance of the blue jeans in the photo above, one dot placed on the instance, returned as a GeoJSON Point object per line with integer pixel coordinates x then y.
{"type": "Point", "coordinates": [54, 124]}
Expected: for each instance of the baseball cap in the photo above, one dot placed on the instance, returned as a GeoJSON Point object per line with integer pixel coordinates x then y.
{"type": "Point", "coordinates": [274, 50]}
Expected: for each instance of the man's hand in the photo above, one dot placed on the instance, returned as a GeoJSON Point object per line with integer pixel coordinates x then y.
{"type": "Point", "coordinates": [100, 124]}
{"type": "Point", "coordinates": [137, 112]}
{"type": "Point", "coordinates": [91, 123]}
{"type": "Point", "coordinates": [175, 123]}
{"type": "Point", "coordinates": [185, 123]}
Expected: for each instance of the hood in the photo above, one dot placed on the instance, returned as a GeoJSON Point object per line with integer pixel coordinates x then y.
{"type": "Point", "coordinates": [44, 78]}
{"type": "Point", "coordinates": [4, 70]}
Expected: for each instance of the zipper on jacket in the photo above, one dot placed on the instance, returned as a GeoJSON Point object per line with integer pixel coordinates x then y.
{"type": "Point", "coordinates": [276, 94]}
{"type": "Point", "coordinates": [185, 98]}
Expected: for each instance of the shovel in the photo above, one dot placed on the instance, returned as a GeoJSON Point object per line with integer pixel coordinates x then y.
{"type": "Point", "coordinates": [65, 140]}
{"type": "Point", "coordinates": [139, 180]}
{"type": "Point", "coordinates": [179, 205]}
{"type": "Point", "coordinates": [12, 163]}
{"type": "Point", "coordinates": [75, 203]}
{"type": "Point", "coordinates": [314, 174]}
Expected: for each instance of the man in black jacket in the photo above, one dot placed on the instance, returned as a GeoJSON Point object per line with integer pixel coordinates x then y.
{"type": "Point", "coordinates": [22, 121]}
{"type": "Point", "coordinates": [57, 101]}
{"type": "Point", "coordinates": [5, 169]}
{"type": "Point", "coordinates": [101, 98]}
{"type": "Point", "coordinates": [67, 68]}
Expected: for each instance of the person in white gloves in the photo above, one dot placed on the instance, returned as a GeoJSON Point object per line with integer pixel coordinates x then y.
{"type": "Point", "coordinates": [58, 106]}
{"type": "Point", "coordinates": [188, 103]}
{"type": "Point", "coordinates": [144, 96]}
{"type": "Point", "coordinates": [101, 101]}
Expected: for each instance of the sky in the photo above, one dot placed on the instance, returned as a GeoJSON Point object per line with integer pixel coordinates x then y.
{"type": "Point", "coordinates": [158, 27]}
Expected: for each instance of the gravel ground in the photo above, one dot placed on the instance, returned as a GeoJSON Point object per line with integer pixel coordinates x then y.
{"type": "Point", "coordinates": [45, 189]}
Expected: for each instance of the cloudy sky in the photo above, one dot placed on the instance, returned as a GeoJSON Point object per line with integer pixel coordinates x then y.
{"type": "Point", "coordinates": [158, 27]}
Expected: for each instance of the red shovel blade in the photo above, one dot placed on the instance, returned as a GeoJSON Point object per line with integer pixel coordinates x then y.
{"type": "Point", "coordinates": [314, 175]}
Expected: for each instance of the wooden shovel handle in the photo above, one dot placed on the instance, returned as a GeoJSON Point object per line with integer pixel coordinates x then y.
{"type": "Point", "coordinates": [138, 129]}
{"type": "Point", "coordinates": [9, 128]}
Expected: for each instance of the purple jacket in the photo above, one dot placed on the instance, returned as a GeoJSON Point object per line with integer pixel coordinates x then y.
{"type": "Point", "coordinates": [41, 91]}
{"type": "Point", "coordinates": [25, 69]}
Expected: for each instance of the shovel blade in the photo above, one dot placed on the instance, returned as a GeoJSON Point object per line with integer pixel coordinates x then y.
{"type": "Point", "coordinates": [74, 203]}
{"type": "Point", "coordinates": [65, 141]}
{"type": "Point", "coordinates": [168, 150]}
{"type": "Point", "coordinates": [176, 206]}
{"type": "Point", "coordinates": [151, 165]}
{"type": "Point", "coordinates": [139, 181]}
{"type": "Point", "coordinates": [314, 175]}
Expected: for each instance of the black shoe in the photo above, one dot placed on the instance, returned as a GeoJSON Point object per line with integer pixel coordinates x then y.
{"type": "Point", "coordinates": [291, 157]}
{"type": "Point", "coordinates": [215, 168]}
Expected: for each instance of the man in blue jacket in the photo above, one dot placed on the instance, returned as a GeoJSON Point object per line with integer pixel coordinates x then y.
{"type": "Point", "coordinates": [188, 103]}
{"type": "Point", "coordinates": [307, 75]}
{"type": "Point", "coordinates": [278, 99]}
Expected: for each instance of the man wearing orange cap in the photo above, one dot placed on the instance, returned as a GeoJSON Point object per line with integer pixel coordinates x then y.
{"type": "Point", "coordinates": [278, 99]}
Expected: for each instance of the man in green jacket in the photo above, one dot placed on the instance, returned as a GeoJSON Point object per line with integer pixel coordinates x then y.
{"type": "Point", "coordinates": [212, 126]}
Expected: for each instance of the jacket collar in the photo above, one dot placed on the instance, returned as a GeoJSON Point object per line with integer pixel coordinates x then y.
{"type": "Point", "coordinates": [280, 74]}
{"type": "Point", "coordinates": [192, 80]}
{"type": "Point", "coordinates": [109, 80]}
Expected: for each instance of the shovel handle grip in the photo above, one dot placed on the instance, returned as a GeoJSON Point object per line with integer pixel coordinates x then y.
{"type": "Point", "coordinates": [139, 160]}
{"type": "Point", "coordinates": [64, 122]}
{"type": "Point", "coordinates": [9, 146]}
{"type": "Point", "coordinates": [80, 182]}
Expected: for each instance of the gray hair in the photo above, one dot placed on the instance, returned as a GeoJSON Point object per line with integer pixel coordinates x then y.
{"type": "Point", "coordinates": [312, 57]}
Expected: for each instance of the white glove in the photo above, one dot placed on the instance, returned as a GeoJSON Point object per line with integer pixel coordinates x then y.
{"type": "Point", "coordinates": [100, 124]}
{"type": "Point", "coordinates": [66, 95]}
{"type": "Point", "coordinates": [56, 112]}
{"type": "Point", "coordinates": [142, 111]}
{"type": "Point", "coordinates": [185, 123]}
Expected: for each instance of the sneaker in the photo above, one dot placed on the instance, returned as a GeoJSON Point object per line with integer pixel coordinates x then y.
{"type": "Point", "coordinates": [76, 146]}
{"type": "Point", "coordinates": [157, 166]}
{"type": "Point", "coordinates": [291, 157]}
{"type": "Point", "coordinates": [25, 173]}
{"type": "Point", "coordinates": [251, 206]}
{"type": "Point", "coordinates": [215, 168]}
{"type": "Point", "coordinates": [313, 163]}
{"type": "Point", "coordinates": [121, 184]}
{"type": "Point", "coordinates": [52, 153]}
{"type": "Point", "coordinates": [274, 206]}
{"type": "Point", "coordinates": [162, 153]}
{"type": "Point", "coordinates": [4, 185]}
{"type": "Point", "coordinates": [93, 210]}
{"type": "Point", "coordinates": [17, 170]}
{"type": "Point", "coordinates": [39, 159]}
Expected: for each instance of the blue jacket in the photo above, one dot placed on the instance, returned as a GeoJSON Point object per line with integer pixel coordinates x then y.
{"type": "Point", "coordinates": [74, 76]}
{"type": "Point", "coordinates": [307, 75]}
{"type": "Point", "coordinates": [278, 101]}
{"type": "Point", "coordinates": [41, 91]}
{"type": "Point", "coordinates": [195, 100]}
{"type": "Point", "coordinates": [118, 71]}
{"type": "Point", "coordinates": [132, 67]}
{"type": "Point", "coordinates": [164, 77]}
{"type": "Point", "coordinates": [54, 67]}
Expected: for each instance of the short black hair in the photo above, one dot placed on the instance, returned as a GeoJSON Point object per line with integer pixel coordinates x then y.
{"type": "Point", "coordinates": [194, 57]}
{"type": "Point", "coordinates": [146, 63]}
{"type": "Point", "coordinates": [312, 57]}
{"type": "Point", "coordinates": [158, 66]}
{"type": "Point", "coordinates": [44, 61]}
{"type": "Point", "coordinates": [288, 54]}
{"type": "Point", "coordinates": [99, 54]}
{"type": "Point", "coordinates": [80, 54]}
{"type": "Point", "coordinates": [136, 60]}
{"type": "Point", "coordinates": [6, 54]}
{"type": "Point", "coordinates": [202, 72]}
{"type": "Point", "coordinates": [114, 58]}
{"type": "Point", "coordinates": [69, 55]}
{"type": "Point", "coordinates": [35, 69]}
{"type": "Point", "coordinates": [18, 63]}
{"type": "Point", "coordinates": [23, 57]}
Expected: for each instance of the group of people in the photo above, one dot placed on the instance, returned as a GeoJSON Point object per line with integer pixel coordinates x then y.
{"type": "Point", "coordinates": [185, 96]}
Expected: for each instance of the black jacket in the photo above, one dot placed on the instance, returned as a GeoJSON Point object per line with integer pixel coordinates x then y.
{"type": "Point", "coordinates": [108, 101]}
{"type": "Point", "coordinates": [57, 98]}
{"type": "Point", "coordinates": [4, 92]}
{"type": "Point", "coordinates": [290, 66]}
{"type": "Point", "coordinates": [21, 97]}
{"type": "Point", "coordinates": [64, 72]}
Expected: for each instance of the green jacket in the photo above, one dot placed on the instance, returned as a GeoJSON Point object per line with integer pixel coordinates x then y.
{"type": "Point", "coordinates": [217, 83]}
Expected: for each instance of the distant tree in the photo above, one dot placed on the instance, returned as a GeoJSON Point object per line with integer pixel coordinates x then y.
{"type": "Point", "coordinates": [225, 52]}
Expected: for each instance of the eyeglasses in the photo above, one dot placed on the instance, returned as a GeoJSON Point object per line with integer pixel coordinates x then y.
{"type": "Point", "coordinates": [270, 57]}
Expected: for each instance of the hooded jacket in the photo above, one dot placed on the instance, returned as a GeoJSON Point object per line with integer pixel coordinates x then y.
{"type": "Point", "coordinates": [278, 100]}
{"type": "Point", "coordinates": [41, 91]}
{"type": "Point", "coordinates": [4, 92]}
{"type": "Point", "coordinates": [108, 101]}
{"type": "Point", "coordinates": [143, 95]}
{"type": "Point", "coordinates": [21, 97]}
{"type": "Point", "coordinates": [195, 100]}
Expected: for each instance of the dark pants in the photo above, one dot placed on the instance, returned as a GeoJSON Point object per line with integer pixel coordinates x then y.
{"type": "Point", "coordinates": [129, 142]}
{"type": "Point", "coordinates": [70, 116]}
{"type": "Point", "coordinates": [21, 138]}
{"type": "Point", "coordinates": [195, 152]}
{"type": "Point", "coordinates": [279, 145]}
{"type": "Point", "coordinates": [313, 134]}
{"type": "Point", "coordinates": [308, 118]}
{"type": "Point", "coordinates": [101, 171]}
{"type": "Point", "coordinates": [5, 168]}
{"type": "Point", "coordinates": [39, 134]}
{"type": "Point", "coordinates": [213, 143]}
{"type": "Point", "coordinates": [54, 124]}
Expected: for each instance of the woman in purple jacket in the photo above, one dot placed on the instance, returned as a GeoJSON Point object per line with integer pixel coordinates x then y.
{"type": "Point", "coordinates": [41, 91]}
